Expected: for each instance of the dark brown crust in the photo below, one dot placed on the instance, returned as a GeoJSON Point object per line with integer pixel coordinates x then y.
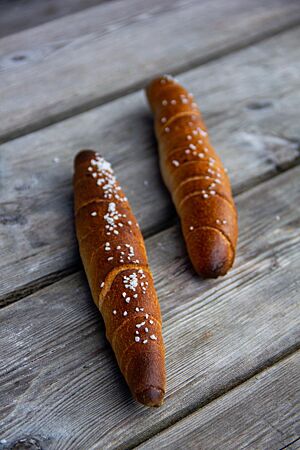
{"type": "Point", "coordinates": [196, 178]}
{"type": "Point", "coordinates": [136, 315]}
{"type": "Point", "coordinates": [215, 256]}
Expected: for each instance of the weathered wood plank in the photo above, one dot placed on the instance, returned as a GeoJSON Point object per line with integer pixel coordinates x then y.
{"type": "Point", "coordinates": [262, 413]}
{"type": "Point", "coordinates": [240, 101]}
{"type": "Point", "coordinates": [59, 383]}
{"type": "Point", "coordinates": [22, 14]}
{"type": "Point", "coordinates": [80, 61]}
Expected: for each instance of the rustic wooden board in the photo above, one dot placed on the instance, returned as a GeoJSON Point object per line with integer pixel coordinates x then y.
{"type": "Point", "coordinates": [241, 105]}
{"type": "Point", "coordinates": [22, 14]}
{"type": "Point", "coordinates": [59, 383]}
{"type": "Point", "coordinates": [82, 60]}
{"type": "Point", "coordinates": [262, 413]}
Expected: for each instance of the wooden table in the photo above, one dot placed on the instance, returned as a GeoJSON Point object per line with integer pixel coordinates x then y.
{"type": "Point", "coordinates": [76, 82]}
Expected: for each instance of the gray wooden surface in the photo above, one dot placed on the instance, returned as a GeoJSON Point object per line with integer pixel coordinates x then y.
{"type": "Point", "coordinates": [18, 15]}
{"type": "Point", "coordinates": [231, 343]}
{"type": "Point", "coordinates": [80, 61]}
{"type": "Point", "coordinates": [259, 413]}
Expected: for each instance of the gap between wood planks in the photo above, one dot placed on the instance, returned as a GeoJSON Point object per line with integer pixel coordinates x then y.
{"type": "Point", "coordinates": [223, 393]}
{"type": "Point", "coordinates": [102, 100]}
{"type": "Point", "coordinates": [291, 443]}
{"type": "Point", "coordinates": [43, 282]}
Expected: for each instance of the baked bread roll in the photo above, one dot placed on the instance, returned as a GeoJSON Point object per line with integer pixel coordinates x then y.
{"type": "Point", "coordinates": [195, 177]}
{"type": "Point", "coordinates": [113, 253]}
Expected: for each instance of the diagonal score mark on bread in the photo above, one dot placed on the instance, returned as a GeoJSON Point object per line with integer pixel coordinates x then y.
{"type": "Point", "coordinates": [216, 230]}
{"type": "Point", "coordinates": [110, 277]}
{"type": "Point", "coordinates": [200, 194]}
{"type": "Point", "coordinates": [124, 323]}
{"type": "Point", "coordinates": [177, 116]}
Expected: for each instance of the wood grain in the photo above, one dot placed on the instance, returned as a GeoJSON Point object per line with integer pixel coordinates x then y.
{"type": "Point", "coordinates": [59, 383]}
{"type": "Point", "coordinates": [240, 104]}
{"type": "Point", "coordinates": [82, 60]}
{"type": "Point", "coordinates": [262, 413]}
{"type": "Point", "coordinates": [23, 14]}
